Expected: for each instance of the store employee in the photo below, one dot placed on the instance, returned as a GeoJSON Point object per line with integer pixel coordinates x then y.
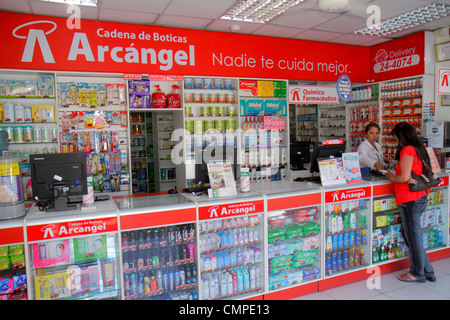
{"type": "Point", "coordinates": [370, 153]}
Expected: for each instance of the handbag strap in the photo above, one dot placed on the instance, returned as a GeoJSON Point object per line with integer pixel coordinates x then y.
{"type": "Point", "coordinates": [423, 162]}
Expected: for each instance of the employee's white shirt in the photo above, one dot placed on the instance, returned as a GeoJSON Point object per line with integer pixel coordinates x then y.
{"type": "Point", "coordinates": [368, 155]}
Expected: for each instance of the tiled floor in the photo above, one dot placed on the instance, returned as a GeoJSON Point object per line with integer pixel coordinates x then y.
{"type": "Point", "coordinates": [389, 288]}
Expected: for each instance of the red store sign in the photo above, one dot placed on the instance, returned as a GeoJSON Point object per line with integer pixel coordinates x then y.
{"type": "Point", "coordinates": [71, 229]}
{"type": "Point", "coordinates": [403, 57]}
{"type": "Point", "coordinates": [46, 43]}
{"type": "Point", "coordinates": [347, 194]}
{"type": "Point", "coordinates": [230, 209]}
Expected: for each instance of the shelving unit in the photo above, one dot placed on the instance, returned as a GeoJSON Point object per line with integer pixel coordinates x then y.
{"type": "Point", "coordinates": [402, 101]}
{"type": "Point", "coordinates": [359, 114]}
{"type": "Point", "coordinates": [142, 155]}
{"type": "Point", "coordinates": [263, 122]}
{"type": "Point", "coordinates": [332, 122]}
{"type": "Point", "coordinates": [36, 131]}
{"type": "Point", "coordinates": [165, 170]}
{"type": "Point", "coordinates": [210, 116]}
{"type": "Point", "coordinates": [307, 123]}
{"type": "Point", "coordinates": [100, 130]}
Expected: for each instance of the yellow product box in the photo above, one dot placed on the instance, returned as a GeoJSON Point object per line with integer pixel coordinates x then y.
{"type": "Point", "coordinates": [42, 113]}
{"type": "Point", "coordinates": [391, 204]}
{"type": "Point", "coordinates": [265, 88]}
{"type": "Point", "coordinates": [53, 286]}
{"type": "Point", "coordinates": [376, 205]}
{"type": "Point", "coordinates": [380, 221]}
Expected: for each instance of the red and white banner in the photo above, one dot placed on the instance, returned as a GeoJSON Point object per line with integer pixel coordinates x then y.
{"type": "Point", "coordinates": [313, 94]}
{"type": "Point", "coordinates": [230, 210]}
{"type": "Point", "coordinates": [398, 58]}
{"type": "Point", "coordinates": [444, 81]}
{"type": "Point", "coordinates": [347, 194]}
{"type": "Point", "coordinates": [71, 229]}
{"type": "Point", "coordinates": [51, 43]}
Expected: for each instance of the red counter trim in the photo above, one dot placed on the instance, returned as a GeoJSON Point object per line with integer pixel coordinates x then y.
{"type": "Point", "coordinates": [293, 292]}
{"type": "Point", "coordinates": [11, 235]}
{"type": "Point", "coordinates": [385, 189]}
{"type": "Point", "coordinates": [294, 201]}
{"type": "Point", "coordinates": [158, 218]}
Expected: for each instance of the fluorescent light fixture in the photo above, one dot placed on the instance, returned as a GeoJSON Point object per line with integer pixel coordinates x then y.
{"type": "Point", "coordinates": [407, 20]}
{"type": "Point", "coordinates": [259, 11]}
{"type": "Point", "coordinates": [90, 3]}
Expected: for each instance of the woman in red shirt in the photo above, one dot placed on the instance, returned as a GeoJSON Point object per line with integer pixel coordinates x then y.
{"type": "Point", "coordinates": [411, 204]}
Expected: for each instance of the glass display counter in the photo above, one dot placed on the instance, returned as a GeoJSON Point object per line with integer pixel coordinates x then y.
{"type": "Point", "coordinates": [231, 246]}
{"type": "Point", "coordinates": [13, 281]}
{"type": "Point", "coordinates": [158, 247]}
{"type": "Point", "coordinates": [73, 254]}
{"type": "Point", "coordinates": [294, 229]}
{"type": "Point", "coordinates": [347, 224]}
{"type": "Point", "coordinates": [387, 241]}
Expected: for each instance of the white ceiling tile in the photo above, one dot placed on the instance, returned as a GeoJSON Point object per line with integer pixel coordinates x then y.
{"type": "Point", "coordinates": [277, 31]}
{"type": "Point", "coordinates": [199, 8]}
{"type": "Point", "coordinates": [154, 6]}
{"type": "Point", "coordinates": [127, 16]}
{"type": "Point", "coordinates": [17, 6]}
{"type": "Point", "coordinates": [225, 25]}
{"type": "Point", "coordinates": [352, 39]}
{"type": "Point", "coordinates": [317, 35]}
{"type": "Point", "coordinates": [377, 40]}
{"type": "Point", "coordinates": [182, 22]}
{"type": "Point", "coordinates": [303, 18]}
{"type": "Point", "coordinates": [344, 23]}
{"type": "Point", "coordinates": [60, 10]}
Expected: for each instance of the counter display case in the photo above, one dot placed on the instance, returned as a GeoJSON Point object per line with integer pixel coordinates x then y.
{"type": "Point", "coordinates": [294, 236]}
{"type": "Point", "coordinates": [73, 254]}
{"type": "Point", "coordinates": [231, 251]}
{"type": "Point", "coordinates": [13, 281]}
{"type": "Point", "coordinates": [387, 240]}
{"type": "Point", "coordinates": [347, 213]}
{"type": "Point", "coordinates": [158, 248]}
{"type": "Point", "coordinates": [434, 220]}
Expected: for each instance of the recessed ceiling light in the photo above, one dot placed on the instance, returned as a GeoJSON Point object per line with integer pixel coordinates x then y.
{"type": "Point", "coordinates": [259, 11]}
{"type": "Point", "coordinates": [407, 20]}
{"type": "Point", "coordinates": [90, 3]}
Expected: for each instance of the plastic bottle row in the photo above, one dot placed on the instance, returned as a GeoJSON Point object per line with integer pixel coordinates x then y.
{"type": "Point", "coordinates": [230, 258]}
{"type": "Point", "coordinates": [341, 260]}
{"type": "Point", "coordinates": [345, 240]}
{"type": "Point", "coordinates": [338, 223]}
{"type": "Point", "coordinates": [30, 134]}
{"type": "Point", "coordinates": [230, 223]}
{"type": "Point", "coordinates": [228, 239]}
{"type": "Point", "coordinates": [151, 258]}
{"type": "Point", "coordinates": [167, 281]}
{"type": "Point", "coordinates": [233, 282]}
{"type": "Point", "coordinates": [157, 237]}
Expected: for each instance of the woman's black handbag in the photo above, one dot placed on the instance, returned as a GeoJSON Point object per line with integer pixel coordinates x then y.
{"type": "Point", "coordinates": [428, 179]}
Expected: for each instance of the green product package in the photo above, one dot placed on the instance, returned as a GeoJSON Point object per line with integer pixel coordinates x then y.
{"type": "Point", "coordinates": [4, 251]}
{"type": "Point", "coordinates": [311, 228]}
{"type": "Point", "coordinates": [17, 260]}
{"type": "Point", "coordinates": [5, 264]}
{"type": "Point", "coordinates": [90, 248]}
{"type": "Point", "coordinates": [294, 231]}
{"type": "Point", "coordinates": [305, 255]}
{"type": "Point", "coordinates": [15, 249]}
